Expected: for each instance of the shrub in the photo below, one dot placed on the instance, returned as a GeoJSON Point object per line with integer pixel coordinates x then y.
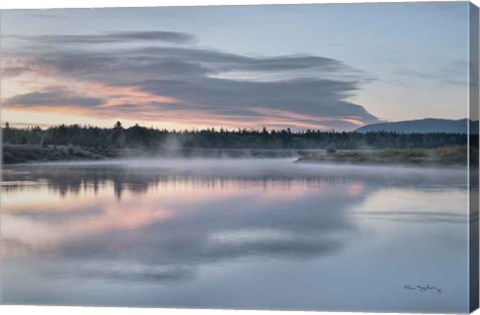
{"type": "Point", "coordinates": [331, 149]}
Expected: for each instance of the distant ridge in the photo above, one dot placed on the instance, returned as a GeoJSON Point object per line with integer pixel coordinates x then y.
{"type": "Point", "coordinates": [428, 125]}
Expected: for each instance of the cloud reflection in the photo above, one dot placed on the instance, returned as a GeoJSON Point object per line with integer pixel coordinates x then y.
{"type": "Point", "coordinates": [127, 221]}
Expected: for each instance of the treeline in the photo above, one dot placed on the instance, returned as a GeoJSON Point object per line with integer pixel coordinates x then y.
{"type": "Point", "coordinates": [138, 137]}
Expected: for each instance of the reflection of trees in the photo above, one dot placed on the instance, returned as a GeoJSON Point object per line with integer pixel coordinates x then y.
{"type": "Point", "coordinates": [203, 231]}
{"type": "Point", "coordinates": [64, 180]}
{"type": "Point", "coordinates": [69, 179]}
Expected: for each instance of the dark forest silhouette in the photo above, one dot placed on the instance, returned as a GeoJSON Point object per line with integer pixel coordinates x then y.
{"type": "Point", "coordinates": [138, 137]}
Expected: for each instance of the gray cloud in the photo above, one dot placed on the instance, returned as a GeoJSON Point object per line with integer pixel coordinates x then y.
{"type": "Point", "coordinates": [57, 97]}
{"type": "Point", "coordinates": [453, 73]}
{"type": "Point", "coordinates": [45, 15]}
{"type": "Point", "coordinates": [113, 37]}
{"type": "Point", "coordinates": [8, 71]}
{"type": "Point", "coordinates": [227, 61]}
{"type": "Point", "coordinates": [213, 81]}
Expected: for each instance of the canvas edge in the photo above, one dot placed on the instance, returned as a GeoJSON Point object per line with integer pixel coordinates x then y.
{"type": "Point", "coordinates": [473, 111]}
{"type": "Point", "coordinates": [1, 167]}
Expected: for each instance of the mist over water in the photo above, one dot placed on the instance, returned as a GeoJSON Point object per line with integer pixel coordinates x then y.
{"type": "Point", "coordinates": [247, 167]}
{"type": "Point", "coordinates": [234, 233]}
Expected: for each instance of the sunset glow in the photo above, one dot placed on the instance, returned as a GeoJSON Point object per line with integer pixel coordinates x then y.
{"type": "Point", "coordinates": [164, 73]}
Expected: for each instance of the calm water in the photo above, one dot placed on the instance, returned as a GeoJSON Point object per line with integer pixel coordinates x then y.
{"type": "Point", "coordinates": [250, 234]}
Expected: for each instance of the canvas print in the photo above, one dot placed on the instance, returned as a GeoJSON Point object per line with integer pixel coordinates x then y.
{"type": "Point", "coordinates": [315, 157]}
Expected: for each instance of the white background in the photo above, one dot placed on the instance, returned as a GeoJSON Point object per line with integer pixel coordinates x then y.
{"type": "Point", "coordinates": [31, 4]}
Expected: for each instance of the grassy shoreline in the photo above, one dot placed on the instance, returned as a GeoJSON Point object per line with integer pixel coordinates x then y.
{"type": "Point", "coordinates": [14, 153]}
{"type": "Point", "coordinates": [456, 155]}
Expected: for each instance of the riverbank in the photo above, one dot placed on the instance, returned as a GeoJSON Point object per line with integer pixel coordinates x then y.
{"type": "Point", "coordinates": [442, 156]}
{"type": "Point", "coordinates": [14, 154]}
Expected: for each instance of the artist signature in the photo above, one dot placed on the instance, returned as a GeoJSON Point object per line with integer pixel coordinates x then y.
{"type": "Point", "coordinates": [422, 288]}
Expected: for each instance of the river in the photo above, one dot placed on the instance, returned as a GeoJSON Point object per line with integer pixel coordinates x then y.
{"type": "Point", "coordinates": [235, 233]}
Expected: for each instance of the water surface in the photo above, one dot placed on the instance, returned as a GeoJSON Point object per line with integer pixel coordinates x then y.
{"type": "Point", "coordinates": [249, 234]}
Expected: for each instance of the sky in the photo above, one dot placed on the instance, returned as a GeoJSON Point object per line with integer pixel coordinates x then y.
{"type": "Point", "coordinates": [323, 66]}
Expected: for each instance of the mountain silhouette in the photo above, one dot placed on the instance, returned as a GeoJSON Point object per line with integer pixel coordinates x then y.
{"type": "Point", "coordinates": [428, 125]}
